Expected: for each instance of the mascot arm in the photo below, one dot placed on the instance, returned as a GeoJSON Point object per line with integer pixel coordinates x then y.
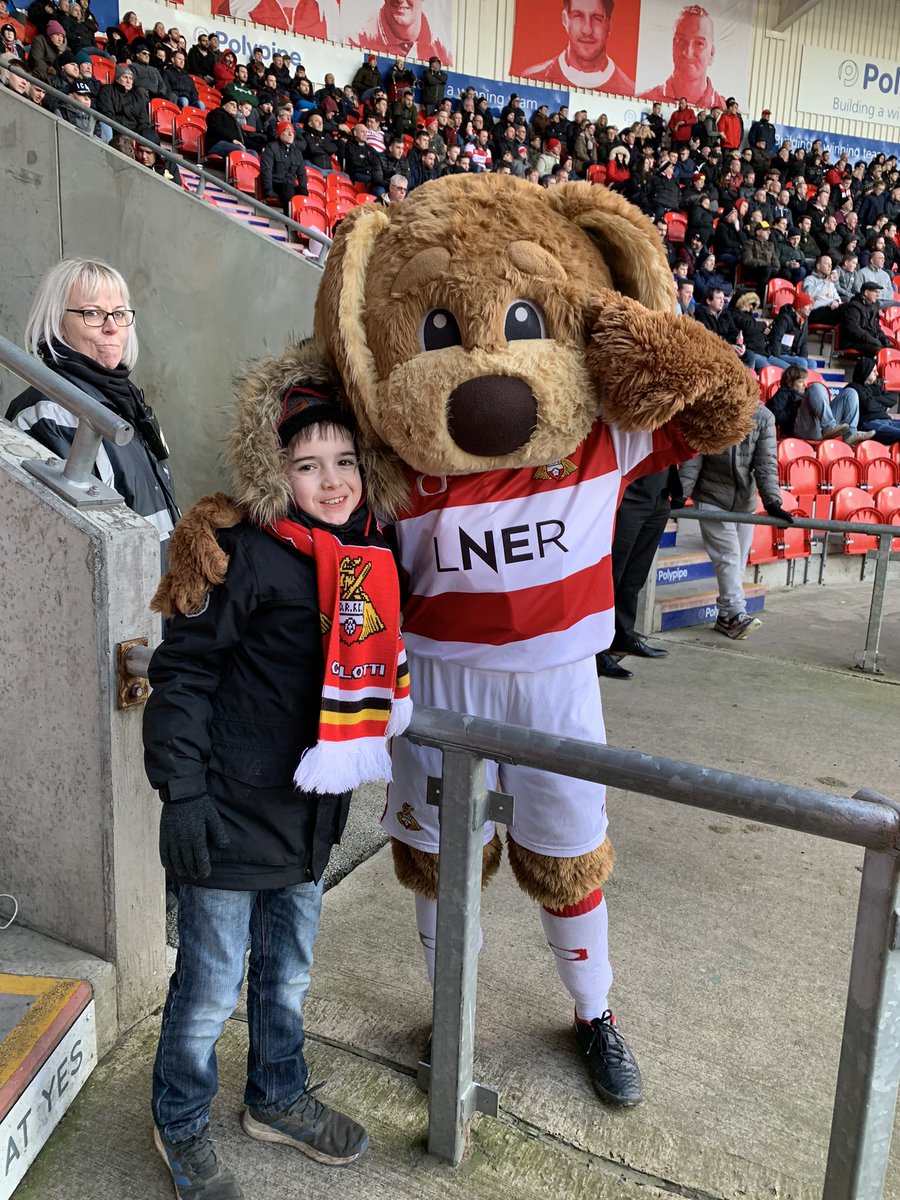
{"type": "Point", "coordinates": [651, 367]}
{"type": "Point", "coordinates": [197, 563]}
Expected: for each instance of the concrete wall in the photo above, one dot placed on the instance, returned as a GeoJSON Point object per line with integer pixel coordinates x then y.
{"type": "Point", "coordinates": [77, 818]}
{"type": "Point", "coordinates": [210, 294]}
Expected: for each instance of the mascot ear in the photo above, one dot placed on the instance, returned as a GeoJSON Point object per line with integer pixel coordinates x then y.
{"type": "Point", "coordinates": [341, 305]}
{"type": "Point", "coordinates": [629, 244]}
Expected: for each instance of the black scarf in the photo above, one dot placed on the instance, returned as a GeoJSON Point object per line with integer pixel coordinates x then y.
{"type": "Point", "coordinates": [117, 390]}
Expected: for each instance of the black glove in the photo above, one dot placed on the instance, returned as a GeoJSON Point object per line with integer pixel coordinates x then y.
{"type": "Point", "coordinates": [775, 510]}
{"type": "Point", "coordinates": [185, 828]}
{"type": "Point", "coordinates": [677, 502]}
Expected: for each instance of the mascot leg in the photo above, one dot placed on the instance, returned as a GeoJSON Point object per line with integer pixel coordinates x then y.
{"type": "Point", "coordinates": [574, 917]}
{"type": "Point", "coordinates": [417, 870]}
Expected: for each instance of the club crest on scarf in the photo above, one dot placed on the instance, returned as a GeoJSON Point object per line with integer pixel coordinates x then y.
{"type": "Point", "coordinates": [358, 618]}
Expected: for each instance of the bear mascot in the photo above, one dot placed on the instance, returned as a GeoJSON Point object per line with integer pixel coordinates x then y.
{"type": "Point", "coordinates": [513, 360]}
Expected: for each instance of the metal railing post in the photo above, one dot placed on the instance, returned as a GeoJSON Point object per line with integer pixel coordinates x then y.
{"type": "Point", "coordinates": [867, 659]}
{"type": "Point", "coordinates": [869, 1073]}
{"type": "Point", "coordinates": [465, 806]}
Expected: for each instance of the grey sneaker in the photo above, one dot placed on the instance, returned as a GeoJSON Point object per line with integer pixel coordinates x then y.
{"type": "Point", "coordinates": [738, 627]}
{"type": "Point", "coordinates": [308, 1125]}
{"type": "Point", "coordinates": [196, 1172]}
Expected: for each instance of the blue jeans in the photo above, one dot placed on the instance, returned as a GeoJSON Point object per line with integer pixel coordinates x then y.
{"type": "Point", "coordinates": [223, 149]}
{"type": "Point", "coordinates": [213, 929]}
{"type": "Point", "coordinates": [886, 431]}
{"type": "Point", "coordinates": [184, 102]}
{"type": "Point", "coordinates": [818, 411]}
{"type": "Point", "coordinates": [788, 360]}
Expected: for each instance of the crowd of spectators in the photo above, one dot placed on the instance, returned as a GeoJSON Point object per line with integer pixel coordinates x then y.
{"type": "Point", "coordinates": [735, 209]}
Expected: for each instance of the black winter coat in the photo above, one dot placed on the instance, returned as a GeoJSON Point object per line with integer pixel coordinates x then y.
{"type": "Point", "coordinates": [235, 702]}
{"type": "Point", "coordinates": [860, 328]}
{"type": "Point", "coordinates": [282, 164]}
{"type": "Point", "coordinates": [787, 324]}
{"type": "Point", "coordinates": [222, 127]}
{"type": "Point", "coordinates": [180, 83]}
{"type": "Point", "coordinates": [784, 406]}
{"type": "Point", "coordinates": [128, 108]}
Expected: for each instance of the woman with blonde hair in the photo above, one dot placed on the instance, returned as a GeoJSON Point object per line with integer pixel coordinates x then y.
{"type": "Point", "coordinates": [82, 326]}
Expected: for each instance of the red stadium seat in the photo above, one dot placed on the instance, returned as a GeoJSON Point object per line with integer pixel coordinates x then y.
{"type": "Point", "coordinates": [791, 542]}
{"type": "Point", "coordinates": [840, 466]}
{"type": "Point", "coordinates": [163, 115]}
{"type": "Point", "coordinates": [242, 171]}
{"type": "Point", "coordinates": [310, 211]}
{"type": "Point", "coordinates": [800, 470]}
{"type": "Point", "coordinates": [778, 292]}
{"type": "Point", "coordinates": [887, 501]}
{"type": "Point", "coordinates": [888, 362]}
{"type": "Point", "coordinates": [365, 198]}
{"type": "Point", "coordinates": [104, 69]}
{"type": "Point", "coordinates": [677, 227]}
{"type": "Point", "coordinates": [853, 504]}
{"type": "Point", "coordinates": [763, 547]}
{"type": "Point", "coordinates": [879, 469]}
{"type": "Point", "coordinates": [770, 381]}
{"type": "Point", "coordinates": [189, 136]}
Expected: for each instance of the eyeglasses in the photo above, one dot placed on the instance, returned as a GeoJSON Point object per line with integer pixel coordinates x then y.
{"type": "Point", "coordinates": [95, 318]}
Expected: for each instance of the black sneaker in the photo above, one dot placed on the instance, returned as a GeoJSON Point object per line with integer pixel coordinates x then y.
{"type": "Point", "coordinates": [325, 1135]}
{"type": "Point", "coordinates": [614, 1072]}
{"type": "Point", "coordinates": [196, 1172]}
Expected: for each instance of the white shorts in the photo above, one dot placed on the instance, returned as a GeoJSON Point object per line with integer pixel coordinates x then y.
{"type": "Point", "coordinates": [554, 814]}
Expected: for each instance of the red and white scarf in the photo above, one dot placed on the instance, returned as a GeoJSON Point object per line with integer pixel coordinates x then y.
{"type": "Point", "coordinates": [365, 697]}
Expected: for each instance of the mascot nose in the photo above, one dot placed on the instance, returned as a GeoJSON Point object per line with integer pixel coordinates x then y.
{"type": "Point", "coordinates": [491, 415]}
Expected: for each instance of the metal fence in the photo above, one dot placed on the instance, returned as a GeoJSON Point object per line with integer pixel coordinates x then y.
{"type": "Point", "coordinates": [195, 168]}
{"type": "Point", "coordinates": [869, 1071]}
{"type": "Point", "coordinates": [867, 658]}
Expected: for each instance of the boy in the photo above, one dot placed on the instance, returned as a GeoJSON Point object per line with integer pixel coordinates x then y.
{"type": "Point", "coordinates": [238, 702]}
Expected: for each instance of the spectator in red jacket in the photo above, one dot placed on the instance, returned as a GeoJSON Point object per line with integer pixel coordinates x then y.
{"type": "Point", "coordinates": [223, 71]}
{"type": "Point", "coordinates": [681, 123]}
{"type": "Point", "coordinates": [731, 125]}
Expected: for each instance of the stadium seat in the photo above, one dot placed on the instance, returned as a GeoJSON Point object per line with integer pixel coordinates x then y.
{"type": "Point", "coordinates": [840, 466]}
{"type": "Point", "coordinates": [763, 548]}
{"type": "Point", "coordinates": [190, 113]}
{"type": "Point", "coordinates": [104, 69]}
{"type": "Point", "coordinates": [853, 504]}
{"type": "Point", "coordinates": [163, 115]}
{"type": "Point", "coordinates": [888, 362]}
{"type": "Point", "coordinates": [677, 227]}
{"type": "Point", "coordinates": [800, 470]}
{"type": "Point", "coordinates": [189, 136]}
{"type": "Point", "coordinates": [814, 376]}
{"type": "Point", "coordinates": [309, 211]}
{"type": "Point", "coordinates": [365, 198]}
{"type": "Point", "coordinates": [778, 292]}
{"type": "Point", "coordinates": [791, 542]}
{"type": "Point", "coordinates": [315, 181]}
{"type": "Point", "coordinates": [839, 348]}
{"type": "Point", "coordinates": [242, 172]}
{"type": "Point", "coordinates": [770, 381]}
{"type": "Point", "coordinates": [887, 502]}
{"type": "Point", "coordinates": [879, 469]}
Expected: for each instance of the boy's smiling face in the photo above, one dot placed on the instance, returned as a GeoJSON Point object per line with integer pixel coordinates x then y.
{"type": "Point", "coordinates": [323, 473]}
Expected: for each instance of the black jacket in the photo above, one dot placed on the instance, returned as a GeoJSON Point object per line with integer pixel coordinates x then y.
{"type": "Point", "coordinates": [728, 240]}
{"type": "Point", "coordinates": [664, 194]}
{"type": "Point", "coordinates": [200, 63]}
{"type": "Point", "coordinates": [787, 324]}
{"type": "Point", "coordinates": [318, 148]}
{"type": "Point", "coordinates": [860, 329]}
{"type": "Point", "coordinates": [181, 84]}
{"type": "Point", "coordinates": [222, 127]}
{"type": "Point", "coordinates": [128, 108]}
{"type": "Point", "coordinates": [383, 167]}
{"type": "Point", "coordinates": [358, 161]}
{"type": "Point", "coordinates": [434, 84]}
{"type": "Point", "coordinates": [282, 164]}
{"type": "Point", "coordinates": [722, 325]}
{"type": "Point", "coordinates": [235, 701]}
{"type": "Point", "coordinates": [784, 406]}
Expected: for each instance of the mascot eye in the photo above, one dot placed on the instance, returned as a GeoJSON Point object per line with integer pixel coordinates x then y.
{"type": "Point", "coordinates": [439, 330]}
{"type": "Point", "coordinates": [523, 320]}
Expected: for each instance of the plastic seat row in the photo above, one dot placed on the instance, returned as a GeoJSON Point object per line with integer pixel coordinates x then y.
{"type": "Point", "coordinates": [809, 470]}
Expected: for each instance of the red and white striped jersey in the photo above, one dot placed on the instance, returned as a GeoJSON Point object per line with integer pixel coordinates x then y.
{"type": "Point", "coordinates": [511, 570]}
{"type": "Point", "coordinates": [481, 156]}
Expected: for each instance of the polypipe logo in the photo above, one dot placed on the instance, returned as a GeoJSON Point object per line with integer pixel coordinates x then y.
{"type": "Point", "coordinates": [887, 82]}
{"type": "Point", "coordinates": [671, 574]}
{"type": "Point", "coordinates": [848, 72]}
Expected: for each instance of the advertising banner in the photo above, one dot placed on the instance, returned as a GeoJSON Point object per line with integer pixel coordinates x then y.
{"type": "Point", "coordinates": [834, 83]}
{"type": "Point", "coordinates": [620, 113]}
{"type": "Point", "coordinates": [409, 28]}
{"type": "Point", "coordinates": [699, 52]}
{"type": "Point", "coordinates": [858, 149]}
{"type": "Point", "coordinates": [653, 49]}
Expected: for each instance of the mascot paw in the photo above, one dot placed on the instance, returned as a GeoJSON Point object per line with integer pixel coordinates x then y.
{"type": "Point", "coordinates": [196, 560]}
{"type": "Point", "coordinates": [649, 367]}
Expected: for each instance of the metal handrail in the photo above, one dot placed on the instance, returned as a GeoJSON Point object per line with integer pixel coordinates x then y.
{"type": "Point", "coordinates": [73, 477]}
{"type": "Point", "coordinates": [204, 176]}
{"type": "Point", "coordinates": [867, 658]}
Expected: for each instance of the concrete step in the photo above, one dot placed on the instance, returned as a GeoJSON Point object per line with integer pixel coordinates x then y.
{"type": "Point", "coordinates": [691, 607]}
{"type": "Point", "coordinates": [669, 537]}
{"type": "Point", "coordinates": [688, 566]}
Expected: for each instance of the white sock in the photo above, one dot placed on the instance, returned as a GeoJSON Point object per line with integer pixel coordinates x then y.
{"type": "Point", "coordinates": [578, 938]}
{"type": "Point", "coordinates": [426, 922]}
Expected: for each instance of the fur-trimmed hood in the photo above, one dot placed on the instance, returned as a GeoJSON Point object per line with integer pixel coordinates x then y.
{"type": "Point", "coordinates": [254, 451]}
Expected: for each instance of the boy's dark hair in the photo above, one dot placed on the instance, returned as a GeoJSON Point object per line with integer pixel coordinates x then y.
{"type": "Point", "coordinates": [792, 375]}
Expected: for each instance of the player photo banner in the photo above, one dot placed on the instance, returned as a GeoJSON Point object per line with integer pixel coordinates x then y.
{"type": "Point", "coordinates": [418, 29]}
{"type": "Point", "coordinates": [698, 51]}
{"type": "Point", "coordinates": [652, 49]}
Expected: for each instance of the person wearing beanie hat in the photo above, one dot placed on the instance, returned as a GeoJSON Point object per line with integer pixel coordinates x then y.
{"type": "Point", "coordinates": [282, 168]}
{"type": "Point", "coordinates": [9, 43]}
{"type": "Point", "coordinates": [45, 51]}
{"type": "Point", "coordinates": [281, 674]}
{"type": "Point", "coordinates": [121, 101]}
{"type": "Point", "coordinates": [789, 332]}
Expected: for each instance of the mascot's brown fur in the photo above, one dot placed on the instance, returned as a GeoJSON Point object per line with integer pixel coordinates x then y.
{"type": "Point", "coordinates": [472, 244]}
{"type": "Point", "coordinates": [613, 345]}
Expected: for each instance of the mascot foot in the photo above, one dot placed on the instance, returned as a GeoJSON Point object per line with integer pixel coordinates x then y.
{"type": "Point", "coordinates": [611, 1065]}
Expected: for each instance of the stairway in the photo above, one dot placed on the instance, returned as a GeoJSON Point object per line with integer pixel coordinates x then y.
{"type": "Point", "coordinates": [246, 215]}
